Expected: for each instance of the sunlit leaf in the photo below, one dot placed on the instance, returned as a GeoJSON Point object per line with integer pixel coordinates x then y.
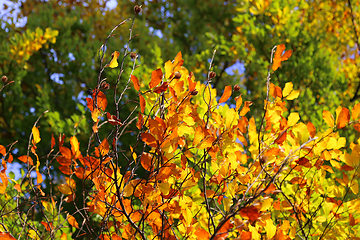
{"type": "Point", "coordinates": [149, 139]}
{"type": "Point", "coordinates": [136, 82]}
{"type": "Point", "coordinates": [355, 112]}
{"type": "Point", "coordinates": [114, 63]}
{"type": "Point", "coordinates": [342, 117]}
{"type": "Point", "coordinates": [146, 161]}
{"type": "Point", "coordinates": [278, 58]}
{"type": "Point", "coordinates": [142, 103]}
{"type": "Point", "coordinates": [311, 129]}
{"type": "Point", "coordinates": [156, 77]}
{"type": "Point", "coordinates": [26, 159]}
{"type": "Point", "coordinates": [293, 119]}
{"type": "Point", "coordinates": [72, 221]}
{"type": "Point", "coordinates": [252, 213]}
{"type": "Point", "coordinates": [36, 134]}
{"type": "Point", "coordinates": [226, 94]}
{"type": "Point", "coordinates": [328, 118]}
{"type": "Point", "coordinates": [162, 88]}
{"type": "Point", "coordinates": [287, 89]}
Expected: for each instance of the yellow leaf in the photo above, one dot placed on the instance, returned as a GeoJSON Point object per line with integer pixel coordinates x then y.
{"type": "Point", "coordinates": [230, 115]}
{"type": "Point", "coordinates": [128, 190]}
{"type": "Point", "coordinates": [65, 189]}
{"type": "Point", "coordinates": [270, 229]}
{"type": "Point", "coordinates": [164, 188]}
{"type": "Point", "coordinates": [355, 111]}
{"type": "Point", "coordinates": [36, 134]}
{"type": "Point", "coordinates": [184, 129]}
{"type": "Point", "coordinates": [354, 187]}
{"type": "Point", "coordinates": [72, 221]}
{"type": "Point", "coordinates": [113, 63]}
{"type": "Point", "coordinates": [293, 95]}
{"type": "Point", "coordinates": [95, 114]}
{"type": "Point", "coordinates": [75, 146]}
{"type": "Point", "coordinates": [265, 204]}
{"type": "Point", "coordinates": [63, 236]}
{"type": "Point", "coordinates": [328, 118]}
{"type": "Point", "coordinates": [293, 119]}
{"type": "Point", "coordinates": [33, 235]}
{"type": "Point", "coordinates": [287, 89]}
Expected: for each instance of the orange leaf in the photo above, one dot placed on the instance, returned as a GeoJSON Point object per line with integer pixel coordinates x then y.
{"type": "Point", "coordinates": [202, 234]}
{"type": "Point", "coordinates": [63, 236]}
{"type": "Point", "coordinates": [65, 170]}
{"type": "Point", "coordinates": [142, 103]}
{"type": "Point", "coordinates": [47, 226]}
{"type": "Point", "coordinates": [2, 150]}
{"type": "Point", "coordinates": [343, 118]}
{"type": "Point", "coordinates": [146, 161]}
{"type": "Point", "coordinates": [52, 141]}
{"type": "Point", "coordinates": [355, 111]}
{"type": "Point", "coordinates": [156, 77]}
{"type": "Point", "coordinates": [250, 212]}
{"type": "Point", "coordinates": [64, 161]}
{"type": "Point", "coordinates": [311, 129]}
{"type": "Point", "coordinates": [281, 138]}
{"type": "Point", "coordinates": [90, 104]}
{"type": "Point", "coordinates": [113, 63]}
{"type": "Point", "coordinates": [104, 147]}
{"type": "Point", "coordinates": [238, 102]}
{"type": "Point", "coordinates": [65, 152]}
{"type": "Point", "coordinates": [246, 108]}
{"type": "Point", "coordinates": [39, 178]}
{"type": "Point", "coordinates": [136, 82]}
{"type": "Point", "coordinates": [226, 94]}
{"type": "Point", "coordinates": [357, 127]}
{"type": "Point", "coordinates": [246, 235]}
{"type": "Point", "coordinates": [140, 121]}
{"type": "Point", "coordinates": [6, 236]}
{"type": "Point", "coordinates": [224, 230]}
{"type": "Point", "coordinates": [278, 58]}
{"type": "Point", "coordinates": [17, 187]}
{"type": "Point", "coordinates": [101, 100]}
{"type": "Point", "coordinates": [149, 139]}
{"type": "Point", "coordinates": [26, 159]}
{"type": "Point", "coordinates": [270, 189]}
{"type": "Point", "coordinates": [162, 88]}
{"type": "Point", "coordinates": [72, 221]}
{"type": "Point", "coordinates": [192, 84]}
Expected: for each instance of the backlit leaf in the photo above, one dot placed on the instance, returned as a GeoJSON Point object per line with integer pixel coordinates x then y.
{"type": "Point", "coordinates": [278, 58]}
{"type": "Point", "coordinates": [114, 63]}
{"type": "Point", "coordinates": [72, 221]}
{"type": "Point", "coordinates": [270, 228]}
{"type": "Point", "coordinates": [142, 103]}
{"type": "Point", "coordinates": [226, 94]}
{"type": "Point", "coordinates": [162, 88]}
{"type": "Point", "coordinates": [156, 77]}
{"type": "Point", "coordinates": [328, 118]}
{"type": "Point", "coordinates": [252, 213]}
{"type": "Point", "coordinates": [355, 111]}
{"type": "Point", "coordinates": [311, 129]}
{"type": "Point", "coordinates": [101, 100]}
{"type": "Point", "coordinates": [342, 117]}
{"type": "Point", "coordinates": [26, 159]}
{"type": "Point", "coordinates": [246, 108]}
{"type": "Point", "coordinates": [36, 134]}
{"type": "Point", "coordinates": [146, 161]}
{"type": "Point", "coordinates": [2, 150]}
{"type": "Point", "coordinates": [149, 139]}
{"type": "Point", "coordinates": [136, 82]}
{"type": "Point", "coordinates": [293, 119]}
{"type": "Point", "coordinates": [287, 89]}
{"type": "Point", "coordinates": [238, 102]}
{"type": "Point", "coordinates": [6, 236]}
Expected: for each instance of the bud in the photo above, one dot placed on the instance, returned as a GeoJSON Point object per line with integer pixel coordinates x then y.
{"type": "Point", "coordinates": [137, 9]}
{"type": "Point", "coordinates": [236, 88]}
{"type": "Point", "coordinates": [177, 75]}
{"type": "Point", "coordinates": [194, 92]}
{"type": "Point", "coordinates": [105, 85]}
{"type": "Point", "coordinates": [212, 74]}
{"type": "Point", "coordinates": [133, 55]}
{"type": "Point", "coordinates": [4, 79]}
{"type": "Point", "coordinates": [89, 91]}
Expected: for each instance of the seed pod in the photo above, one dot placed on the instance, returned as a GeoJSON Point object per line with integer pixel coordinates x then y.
{"type": "Point", "coordinates": [194, 92]}
{"type": "Point", "coordinates": [133, 55]}
{"type": "Point", "coordinates": [212, 74]}
{"type": "Point", "coordinates": [4, 79]}
{"type": "Point", "coordinates": [105, 85]}
{"type": "Point", "coordinates": [236, 88]}
{"type": "Point", "coordinates": [137, 9]}
{"type": "Point", "coordinates": [177, 75]}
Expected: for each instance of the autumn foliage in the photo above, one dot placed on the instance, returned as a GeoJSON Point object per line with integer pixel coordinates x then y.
{"type": "Point", "coordinates": [202, 167]}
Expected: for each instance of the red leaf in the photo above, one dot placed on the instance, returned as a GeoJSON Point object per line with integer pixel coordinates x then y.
{"type": "Point", "coordinates": [250, 212]}
{"type": "Point", "coordinates": [146, 161]}
{"type": "Point", "coordinates": [142, 103]}
{"type": "Point", "coordinates": [90, 104]}
{"type": "Point", "coordinates": [161, 88]}
{"type": "Point", "coordinates": [52, 141]}
{"type": "Point", "coordinates": [101, 100]}
{"type": "Point", "coordinates": [48, 227]}
{"type": "Point", "coordinates": [113, 120]}
{"type": "Point", "coordinates": [156, 77]}
{"type": "Point", "coordinates": [6, 236]}
{"type": "Point", "coordinates": [136, 82]}
{"type": "Point", "coordinates": [304, 162]}
{"type": "Point", "coordinates": [226, 94]}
